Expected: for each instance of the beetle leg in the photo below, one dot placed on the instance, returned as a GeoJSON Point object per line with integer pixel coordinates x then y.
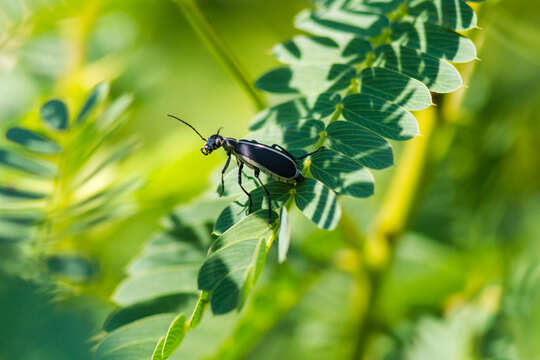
{"type": "Point", "coordinates": [240, 166]}
{"type": "Point", "coordinates": [223, 173]}
{"type": "Point", "coordinates": [256, 173]}
{"type": "Point", "coordinates": [282, 149]}
{"type": "Point", "coordinates": [311, 153]}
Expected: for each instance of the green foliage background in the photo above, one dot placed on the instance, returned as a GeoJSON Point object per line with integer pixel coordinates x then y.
{"type": "Point", "coordinates": [441, 263]}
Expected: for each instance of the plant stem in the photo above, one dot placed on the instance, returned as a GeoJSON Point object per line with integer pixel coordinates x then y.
{"type": "Point", "coordinates": [398, 203]}
{"type": "Point", "coordinates": [220, 50]}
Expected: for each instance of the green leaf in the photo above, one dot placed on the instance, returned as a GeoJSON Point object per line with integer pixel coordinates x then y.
{"type": "Point", "coordinates": [32, 141]}
{"type": "Point", "coordinates": [115, 155]}
{"type": "Point", "coordinates": [309, 80]}
{"type": "Point", "coordinates": [294, 110]}
{"type": "Point", "coordinates": [230, 182]}
{"type": "Point", "coordinates": [284, 237]}
{"type": "Point", "coordinates": [377, 6]}
{"type": "Point", "coordinates": [160, 282]}
{"type": "Point", "coordinates": [452, 14]}
{"type": "Point", "coordinates": [279, 192]}
{"type": "Point", "coordinates": [342, 174]}
{"type": "Point", "coordinates": [11, 231]}
{"type": "Point", "coordinates": [19, 162]}
{"type": "Point", "coordinates": [23, 217]}
{"type": "Point", "coordinates": [135, 341]}
{"type": "Point", "coordinates": [322, 50]}
{"type": "Point", "coordinates": [293, 136]}
{"type": "Point", "coordinates": [318, 203]}
{"type": "Point", "coordinates": [97, 95]}
{"type": "Point", "coordinates": [382, 117]}
{"type": "Point", "coordinates": [395, 87]}
{"type": "Point", "coordinates": [178, 253]}
{"type": "Point", "coordinates": [175, 335]}
{"type": "Point", "coordinates": [11, 192]}
{"type": "Point", "coordinates": [111, 116]}
{"type": "Point", "coordinates": [433, 40]}
{"type": "Point", "coordinates": [335, 22]}
{"type": "Point", "coordinates": [55, 114]}
{"type": "Point", "coordinates": [233, 256]}
{"type": "Point", "coordinates": [158, 351]}
{"type": "Point", "coordinates": [438, 75]}
{"type": "Point", "coordinates": [360, 144]}
{"type": "Point", "coordinates": [166, 304]}
{"type": "Point", "coordinates": [74, 267]}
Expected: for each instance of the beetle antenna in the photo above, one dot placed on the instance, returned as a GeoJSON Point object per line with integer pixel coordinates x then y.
{"type": "Point", "coordinates": [218, 130]}
{"type": "Point", "coordinates": [177, 118]}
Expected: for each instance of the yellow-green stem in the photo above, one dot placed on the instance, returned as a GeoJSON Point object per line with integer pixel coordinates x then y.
{"type": "Point", "coordinates": [220, 50]}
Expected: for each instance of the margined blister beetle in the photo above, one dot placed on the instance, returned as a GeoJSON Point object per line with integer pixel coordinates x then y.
{"type": "Point", "coordinates": [274, 161]}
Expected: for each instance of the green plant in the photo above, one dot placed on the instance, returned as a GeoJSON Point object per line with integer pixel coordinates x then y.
{"type": "Point", "coordinates": [350, 86]}
{"type": "Point", "coordinates": [47, 171]}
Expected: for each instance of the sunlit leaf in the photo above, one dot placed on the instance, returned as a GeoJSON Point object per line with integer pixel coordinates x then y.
{"type": "Point", "coordinates": [166, 304]}
{"type": "Point", "coordinates": [310, 80]}
{"type": "Point", "coordinates": [335, 22]}
{"type": "Point", "coordinates": [360, 144]}
{"type": "Point", "coordinates": [438, 75]}
{"type": "Point", "coordinates": [284, 237]}
{"type": "Point", "coordinates": [293, 136]}
{"type": "Point", "coordinates": [18, 194]}
{"type": "Point", "coordinates": [318, 203]}
{"type": "Point", "coordinates": [55, 114]}
{"type": "Point", "coordinates": [135, 341]}
{"type": "Point", "coordinates": [232, 257]}
{"type": "Point", "coordinates": [322, 50]}
{"type": "Point", "coordinates": [177, 253]}
{"type": "Point", "coordinates": [158, 351]}
{"type": "Point", "coordinates": [153, 284]}
{"type": "Point", "coordinates": [14, 231]}
{"type": "Point", "coordinates": [112, 114]}
{"type": "Point", "coordinates": [342, 174]}
{"type": "Point", "coordinates": [97, 95]}
{"type": "Point", "coordinates": [16, 161]}
{"type": "Point", "coordinates": [292, 111]}
{"type": "Point", "coordinates": [175, 335]}
{"type": "Point", "coordinates": [453, 14]}
{"type": "Point", "coordinates": [279, 192]}
{"type": "Point", "coordinates": [120, 152]}
{"type": "Point", "coordinates": [377, 6]}
{"type": "Point", "coordinates": [433, 40]}
{"type": "Point", "coordinates": [32, 141]}
{"type": "Point", "coordinates": [382, 117]}
{"type": "Point", "coordinates": [395, 87]}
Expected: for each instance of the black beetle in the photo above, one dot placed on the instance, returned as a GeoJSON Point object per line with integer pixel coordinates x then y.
{"type": "Point", "coordinates": [274, 161]}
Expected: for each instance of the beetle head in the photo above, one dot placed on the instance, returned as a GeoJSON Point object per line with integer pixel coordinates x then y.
{"type": "Point", "coordinates": [214, 142]}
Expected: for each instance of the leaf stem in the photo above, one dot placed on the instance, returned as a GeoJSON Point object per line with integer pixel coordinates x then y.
{"type": "Point", "coordinates": [220, 50]}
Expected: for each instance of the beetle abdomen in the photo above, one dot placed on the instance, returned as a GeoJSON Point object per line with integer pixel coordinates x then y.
{"type": "Point", "coordinates": [272, 162]}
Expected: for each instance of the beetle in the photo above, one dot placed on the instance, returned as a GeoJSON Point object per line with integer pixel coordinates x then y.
{"type": "Point", "coordinates": [275, 161]}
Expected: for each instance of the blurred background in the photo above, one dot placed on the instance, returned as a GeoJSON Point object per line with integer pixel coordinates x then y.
{"type": "Point", "coordinates": [464, 281]}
